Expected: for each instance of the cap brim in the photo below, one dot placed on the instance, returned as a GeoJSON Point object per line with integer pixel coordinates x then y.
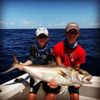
{"type": "Point", "coordinates": [72, 28]}
{"type": "Point", "coordinates": [42, 35]}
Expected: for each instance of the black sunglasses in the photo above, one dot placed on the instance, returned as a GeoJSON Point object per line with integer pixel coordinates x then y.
{"type": "Point", "coordinates": [42, 36]}
{"type": "Point", "coordinates": [72, 31]}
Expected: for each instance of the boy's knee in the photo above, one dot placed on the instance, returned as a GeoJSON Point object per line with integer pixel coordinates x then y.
{"type": "Point", "coordinates": [32, 96]}
{"type": "Point", "coordinates": [51, 96]}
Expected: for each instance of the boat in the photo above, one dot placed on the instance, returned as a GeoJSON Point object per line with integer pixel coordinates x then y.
{"type": "Point", "coordinates": [18, 88]}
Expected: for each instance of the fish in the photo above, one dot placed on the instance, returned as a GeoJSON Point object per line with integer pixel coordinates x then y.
{"type": "Point", "coordinates": [64, 76]}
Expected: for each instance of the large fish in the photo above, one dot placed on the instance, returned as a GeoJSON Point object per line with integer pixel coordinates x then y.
{"type": "Point", "coordinates": [64, 76]}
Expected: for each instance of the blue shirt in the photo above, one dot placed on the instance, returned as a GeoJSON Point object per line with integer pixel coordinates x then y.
{"type": "Point", "coordinates": [40, 56]}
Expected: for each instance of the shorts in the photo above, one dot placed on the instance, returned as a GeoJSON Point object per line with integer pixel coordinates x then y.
{"type": "Point", "coordinates": [72, 89]}
{"type": "Point", "coordinates": [46, 88]}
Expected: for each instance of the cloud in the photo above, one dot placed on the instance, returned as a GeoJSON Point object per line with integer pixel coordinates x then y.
{"type": "Point", "coordinates": [49, 25]}
{"type": "Point", "coordinates": [11, 23]}
{"type": "Point", "coordinates": [25, 22]}
{"type": "Point", "coordinates": [94, 25]}
{"type": "Point", "coordinates": [3, 23]}
{"type": "Point", "coordinates": [59, 25]}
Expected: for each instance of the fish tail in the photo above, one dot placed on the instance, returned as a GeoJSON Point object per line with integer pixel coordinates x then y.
{"type": "Point", "coordinates": [14, 65]}
{"type": "Point", "coordinates": [12, 68]}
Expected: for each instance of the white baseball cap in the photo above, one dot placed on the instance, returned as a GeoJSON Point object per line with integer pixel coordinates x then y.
{"type": "Point", "coordinates": [42, 30]}
{"type": "Point", "coordinates": [72, 26]}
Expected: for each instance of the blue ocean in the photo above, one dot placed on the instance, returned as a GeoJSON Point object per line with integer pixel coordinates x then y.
{"type": "Point", "coordinates": [18, 41]}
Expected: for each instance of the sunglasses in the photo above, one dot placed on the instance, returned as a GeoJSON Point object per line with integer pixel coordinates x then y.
{"type": "Point", "coordinates": [72, 31]}
{"type": "Point", "coordinates": [42, 37]}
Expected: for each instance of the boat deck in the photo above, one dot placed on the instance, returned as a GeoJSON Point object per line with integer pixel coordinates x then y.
{"type": "Point", "coordinates": [12, 90]}
{"type": "Point", "coordinates": [85, 92]}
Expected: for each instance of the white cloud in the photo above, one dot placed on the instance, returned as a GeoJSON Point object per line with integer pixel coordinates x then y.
{"type": "Point", "coordinates": [90, 25]}
{"type": "Point", "coordinates": [94, 25]}
{"type": "Point", "coordinates": [41, 25]}
{"type": "Point", "coordinates": [60, 25]}
{"type": "Point", "coordinates": [3, 23]}
{"type": "Point", "coordinates": [25, 22]}
{"type": "Point", "coordinates": [6, 23]}
{"type": "Point", "coordinates": [12, 23]}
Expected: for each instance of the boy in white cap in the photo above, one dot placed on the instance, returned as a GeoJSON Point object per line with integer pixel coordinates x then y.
{"type": "Point", "coordinates": [70, 53]}
{"type": "Point", "coordinates": [41, 54]}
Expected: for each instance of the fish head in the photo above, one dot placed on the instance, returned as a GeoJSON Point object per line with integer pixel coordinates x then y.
{"type": "Point", "coordinates": [85, 77]}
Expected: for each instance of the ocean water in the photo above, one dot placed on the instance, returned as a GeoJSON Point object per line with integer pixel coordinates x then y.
{"type": "Point", "coordinates": [18, 41]}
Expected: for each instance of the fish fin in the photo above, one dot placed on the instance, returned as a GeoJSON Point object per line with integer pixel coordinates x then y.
{"type": "Point", "coordinates": [15, 60]}
{"type": "Point", "coordinates": [63, 89]}
{"type": "Point", "coordinates": [36, 81]}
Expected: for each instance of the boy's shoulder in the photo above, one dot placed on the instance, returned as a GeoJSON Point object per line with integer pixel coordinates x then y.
{"type": "Point", "coordinates": [33, 45]}
{"type": "Point", "coordinates": [59, 45]}
{"type": "Point", "coordinates": [81, 49]}
{"type": "Point", "coordinates": [33, 48]}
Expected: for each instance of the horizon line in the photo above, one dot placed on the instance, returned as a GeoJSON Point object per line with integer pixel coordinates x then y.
{"type": "Point", "coordinates": [54, 28]}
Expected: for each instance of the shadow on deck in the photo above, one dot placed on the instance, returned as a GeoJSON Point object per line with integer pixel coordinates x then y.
{"type": "Point", "coordinates": [85, 95]}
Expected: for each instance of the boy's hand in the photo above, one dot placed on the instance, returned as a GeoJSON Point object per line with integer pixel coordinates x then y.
{"type": "Point", "coordinates": [20, 66]}
{"type": "Point", "coordinates": [77, 86]}
{"type": "Point", "coordinates": [53, 84]}
{"type": "Point", "coordinates": [21, 63]}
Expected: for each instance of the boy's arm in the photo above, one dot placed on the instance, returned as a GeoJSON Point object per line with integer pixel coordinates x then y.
{"type": "Point", "coordinates": [28, 62]}
{"type": "Point", "coordinates": [81, 60]}
{"type": "Point", "coordinates": [53, 83]}
{"type": "Point", "coordinates": [77, 67]}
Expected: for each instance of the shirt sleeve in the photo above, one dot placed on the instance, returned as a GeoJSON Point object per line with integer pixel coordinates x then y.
{"type": "Point", "coordinates": [32, 53]}
{"type": "Point", "coordinates": [82, 58]}
{"type": "Point", "coordinates": [49, 55]}
{"type": "Point", "coordinates": [56, 51]}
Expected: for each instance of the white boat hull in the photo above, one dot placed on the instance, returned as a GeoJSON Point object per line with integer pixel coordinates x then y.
{"type": "Point", "coordinates": [19, 90]}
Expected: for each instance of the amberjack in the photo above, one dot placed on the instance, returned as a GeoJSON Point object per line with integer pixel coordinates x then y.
{"type": "Point", "coordinates": [64, 76]}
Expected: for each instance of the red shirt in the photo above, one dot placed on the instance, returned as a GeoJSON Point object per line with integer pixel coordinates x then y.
{"type": "Point", "coordinates": [69, 57]}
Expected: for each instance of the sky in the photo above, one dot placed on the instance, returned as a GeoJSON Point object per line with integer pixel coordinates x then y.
{"type": "Point", "coordinates": [29, 14]}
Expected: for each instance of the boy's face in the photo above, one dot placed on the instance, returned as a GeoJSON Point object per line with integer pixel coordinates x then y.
{"type": "Point", "coordinates": [72, 37]}
{"type": "Point", "coordinates": [42, 40]}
